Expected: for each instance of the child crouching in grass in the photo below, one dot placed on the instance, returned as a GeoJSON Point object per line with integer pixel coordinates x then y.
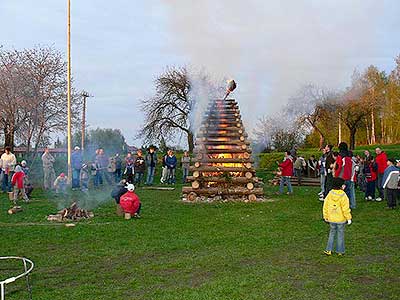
{"type": "Point", "coordinates": [336, 212]}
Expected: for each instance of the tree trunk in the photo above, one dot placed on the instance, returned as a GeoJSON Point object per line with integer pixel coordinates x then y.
{"type": "Point", "coordinates": [352, 138]}
{"type": "Point", "coordinates": [190, 140]}
{"type": "Point", "coordinates": [9, 137]}
{"type": "Point", "coordinates": [373, 136]}
{"type": "Point", "coordinates": [367, 129]}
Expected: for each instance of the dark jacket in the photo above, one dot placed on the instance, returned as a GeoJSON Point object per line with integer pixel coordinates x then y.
{"type": "Point", "coordinates": [140, 164]}
{"type": "Point", "coordinates": [151, 159]}
{"type": "Point", "coordinates": [171, 161]}
{"type": "Point", "coordinates": [118, 191]}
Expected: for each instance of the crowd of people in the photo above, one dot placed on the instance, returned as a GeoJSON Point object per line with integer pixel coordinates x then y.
{"type": "Point", "coordinates": [366, 173]}
{"type": "Point", "coordinates": [100, 170]}
{"type": "Point", "coordinates": [341, 172]}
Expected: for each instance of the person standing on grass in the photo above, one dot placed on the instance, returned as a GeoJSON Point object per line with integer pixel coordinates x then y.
{"type": "Point", "coordinates": [17, 182]}
{"type": "Point", "coordinates": [286, 169]}
{"type": "Point", "coordinates": [140, 167]}
{"type": "Point", "coordinates": [164, 170]}
{"type": "Point", "coordinates": [312, 166]}
{"type": "Point", "coordinates": [329, 162]}
{"type": "Point", "coordinates": [48, 169]}
{"type": "Point", "coordinates": [129, 168]}
{"type": "Point", "coordinates": [185, 162]}
{"type": "Point", "coordinates": [371, 173]}
{"type": "Point", "coordinates": [336, 212]}
{"type": "Point", "coordinates": [84, 177]}
{"type": "Point", "coordinates": [27, 183]}
{"type": "Point", "coordinates": [118, 168]}
{"type": "Point", "coordinates": [76, 163]}
{"type": "Point", "coordinates": [299, 164]}
{"type": "Point", "coordinates": [344, 170]}
{"type": "Point", "coordinates": [171, 163]}
{"type": "Point", "coordinates": [8, 164]}
{"type": "Point", "coordinates": [390, 182]}
{"type": "Point", "coordinates": [381, 161]}
{"type": "Point", "coordinates": [151, 163]}
{"type": "Point", "coordinates": [103, 162]}
{"type": "Point", "coordinates": [322, 174]}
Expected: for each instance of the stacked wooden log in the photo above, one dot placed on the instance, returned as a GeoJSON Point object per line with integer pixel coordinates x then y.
{"type": "Point", "coordinates": [222, 167]}
{"type": "Point", "coordinates": [74, 213]}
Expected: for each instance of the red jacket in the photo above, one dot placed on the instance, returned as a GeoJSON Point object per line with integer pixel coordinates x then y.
{"type": "Point", "coordinates": [374, 174]}
{"type": "Point", "coordinates": [129, 202]}
{"type": "Point", "coordinates": [344, 167]}
{"type": "Point", "coordinates": [287, 167]}
{"type": "Point", "coordinates": [18, 178]}
{"type": "Point", "coordinates": [381, 161]}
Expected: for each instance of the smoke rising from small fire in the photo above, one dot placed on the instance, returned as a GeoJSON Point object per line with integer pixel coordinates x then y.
{"type": "Point", "coordinates": [271, 48]}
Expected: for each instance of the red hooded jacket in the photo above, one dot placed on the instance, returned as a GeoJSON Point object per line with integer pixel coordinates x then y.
{"type": "Point", "coordinates": [287, 167]}
{"type": "Point", "coordinates": [18, 178]}
{"type": "Point", "coordinates": [344, 167]}
{"type": "Point", "coordinates": [129, 202]}
{"type": "Point", "coordinates": [381, 161]}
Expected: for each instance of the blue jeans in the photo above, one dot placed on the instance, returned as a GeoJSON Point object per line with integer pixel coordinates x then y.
{"type": "Point", "coordinates": [150, 175]}
{"type": "Point", "coordinates": [351, 193]}
{"type": "Point", "coordinates": [347, 190]}
{"type": "Point", "coordinates": [285, 179]}
{"type": "Point", "coordinates": [6, 184]}
{"type": "Point", "coordinates": [138, 177]}
{"type": "Point", "coordinates": [185, 174]}
{"type": "Point", "coordinates": [336, 229]}
{"type": "Point", "coordinates": [171, 176]}
{"type": "Point", "coordinates": [370, 189]}
{"type": "Point", "coordinates": [75, 177]}
{"type": "Point", "coordinates": [322, 181]}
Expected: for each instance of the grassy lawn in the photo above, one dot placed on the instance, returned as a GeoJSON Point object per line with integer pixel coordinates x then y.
{"type": "Point", "coordinates": [270, 250]}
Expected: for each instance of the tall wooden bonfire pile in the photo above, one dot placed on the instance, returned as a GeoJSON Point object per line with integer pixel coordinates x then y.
{"type": "Point", "coordinates": [222, 167]}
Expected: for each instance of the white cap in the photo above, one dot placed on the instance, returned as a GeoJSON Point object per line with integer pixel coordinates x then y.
{"type": "Point", "coordinates": [77, 148]}
{"type": "Point", "coordinates": [23, 162]}
{"type": "Point", "coordinates": [130, 187]}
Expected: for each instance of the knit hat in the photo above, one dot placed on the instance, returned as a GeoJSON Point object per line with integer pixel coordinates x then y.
{"type": "Point", "coordinates": [130, 187]}
{"type": "Point", "coordinates": [77, 148]}
{"type": "Point", "coordinates": [18, 169]}
{"type": "Point", "coordinates": [62, 175]}
{"type": "Point", "coordinates": [23, 163]}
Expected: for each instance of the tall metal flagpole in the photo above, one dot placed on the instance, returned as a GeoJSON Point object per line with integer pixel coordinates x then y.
{"type": "Point", "coordinates": [69, 89]}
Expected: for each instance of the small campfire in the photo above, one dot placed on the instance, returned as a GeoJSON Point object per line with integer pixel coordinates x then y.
{"type": "Point", "coordinates": [72, 213]}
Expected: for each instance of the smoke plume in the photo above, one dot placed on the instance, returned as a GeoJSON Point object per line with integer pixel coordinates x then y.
{"type": "Point", "coordinates": [271, 48]}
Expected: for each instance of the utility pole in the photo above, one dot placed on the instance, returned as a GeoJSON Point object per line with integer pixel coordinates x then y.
{"type": "Point", "coordinates": [69, 89]}
{"type": "Point", "coordinates": [85, 95]}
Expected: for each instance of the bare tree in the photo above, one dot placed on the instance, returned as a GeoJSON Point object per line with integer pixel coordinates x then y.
{"type": "Point", "coordinates": [309, 107]}
{"type": "Point", "coordinates": [167, 112]}
{"type": "Point", "coordinates": [278, 132]}
{"type": "Point", "coordinates": [33, 93]}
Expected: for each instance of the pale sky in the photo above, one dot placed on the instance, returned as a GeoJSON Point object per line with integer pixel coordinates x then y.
{"type": "Point", "coordinates": [269, 47]}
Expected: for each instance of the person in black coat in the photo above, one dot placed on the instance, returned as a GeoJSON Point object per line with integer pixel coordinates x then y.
{"type": "Point", "coordinates": [119, 190]}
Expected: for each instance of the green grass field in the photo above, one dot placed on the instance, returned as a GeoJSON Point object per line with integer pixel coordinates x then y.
{"type": "Point", "coordinates": [270, 250]}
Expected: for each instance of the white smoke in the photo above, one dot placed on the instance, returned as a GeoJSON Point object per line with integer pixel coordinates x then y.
{"type": "Point", "coordinates": [271, 48]}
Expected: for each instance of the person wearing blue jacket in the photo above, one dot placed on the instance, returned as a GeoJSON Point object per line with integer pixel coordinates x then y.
{"type": "Point", "coordinates": [76, 164]}
{"type": "Point", "coordinates": [390, 183]}
{"type": "Point", "coordinates": [171, 162]}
